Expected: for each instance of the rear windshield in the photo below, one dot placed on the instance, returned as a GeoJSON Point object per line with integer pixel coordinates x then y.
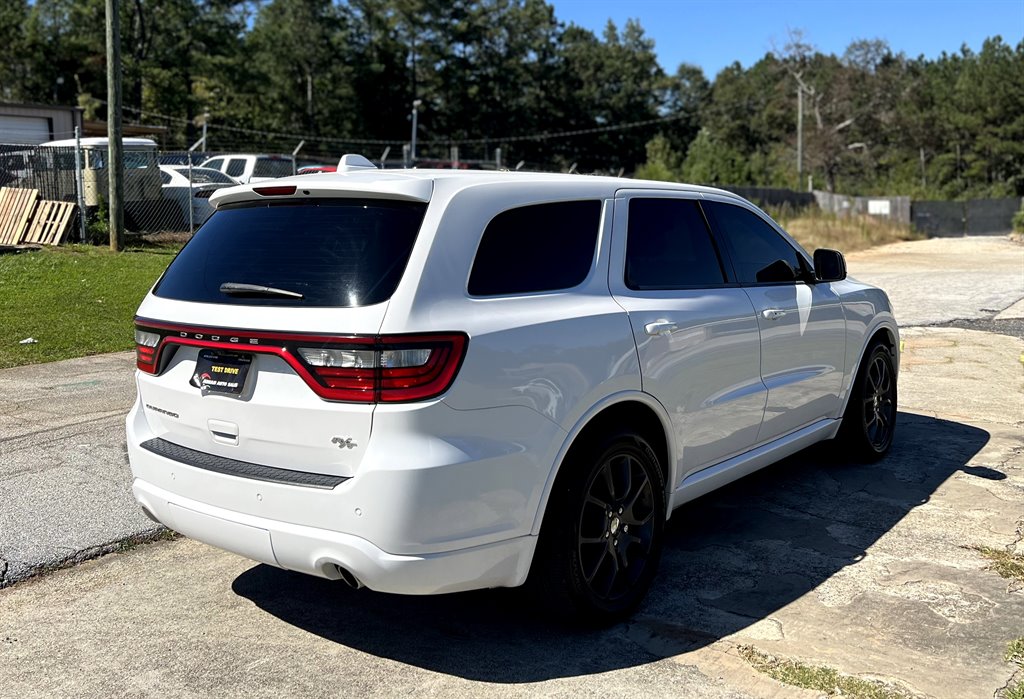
{"type": "Point", "coordinates": [333, 252]}
{"type": "Point", "coordinates": [272, 167]}
{"type": "Point", "coordinates": [205, 175]}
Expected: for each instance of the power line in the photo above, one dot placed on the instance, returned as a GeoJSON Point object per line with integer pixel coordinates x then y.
{"type": "Point", "coordinates": [542, 136]}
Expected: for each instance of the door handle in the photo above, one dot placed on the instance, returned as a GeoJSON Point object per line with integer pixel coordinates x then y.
{"type": "Point", "coordinates": [773, 313]}
{"type": "Point", "coordinates": [660, 327]}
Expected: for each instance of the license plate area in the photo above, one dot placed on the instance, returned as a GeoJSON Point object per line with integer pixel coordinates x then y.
{"type": "Point", "coordinates": [221, 372]}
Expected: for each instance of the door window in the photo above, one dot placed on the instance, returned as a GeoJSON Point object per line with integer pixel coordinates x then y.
{"type": "Point", "coordinates": [754, 246]}
{"type": "Point", "coordinates": [668, 246]}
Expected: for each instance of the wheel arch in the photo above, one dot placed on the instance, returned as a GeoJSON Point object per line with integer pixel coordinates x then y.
{"type": "Point", "coordinates": [885, 332]}
{"type": "Point", "coordinates": [635, 409]}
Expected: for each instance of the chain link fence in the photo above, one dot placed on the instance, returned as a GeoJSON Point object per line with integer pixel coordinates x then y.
{"type": "Point", "coordinates": [168, 192]}
{"type": "Point", "coordinates": [164, 191]}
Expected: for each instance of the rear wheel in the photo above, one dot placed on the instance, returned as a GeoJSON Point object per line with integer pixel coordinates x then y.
{"type": "Point", "coordinates": [604, 530]}
{"type": "Point", "coordinates": [869, 423]}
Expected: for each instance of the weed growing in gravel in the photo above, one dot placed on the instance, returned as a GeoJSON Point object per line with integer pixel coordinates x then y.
{"type": "Point", "coordinates": [822, 679]}
{"type": "Point", "coordinates": [1015, 654]}
{"type": "Point", "coordinates": [1004, 563]}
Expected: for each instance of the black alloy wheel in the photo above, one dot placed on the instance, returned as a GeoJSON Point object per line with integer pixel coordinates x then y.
{"type": "Point", "coordinates": [879, 403]}
{"type": "Point", "coordinates": [615, 532]}
{"type": "Point", "coordinates": [869, 424]}
{"type": "Point", "coordinates": [603, 530]}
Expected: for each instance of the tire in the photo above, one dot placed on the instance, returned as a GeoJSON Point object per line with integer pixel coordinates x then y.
{"type": "Point", "coordinates": [603, 531]}
{"type": "Point", "coordinates": [869, 423]}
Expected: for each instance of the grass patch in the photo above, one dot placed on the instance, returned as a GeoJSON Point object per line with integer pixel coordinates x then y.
{"type": "Point", "coordinates": [814, 229]}
{"type": "Point", "coordinates": [822, 679]}
{"type": "Point", "coordinates": [1015, 654]}
{"type": "Point", "coordinates": [75, 300]}
{"type": "Point", "coordinates": [1003, 562]}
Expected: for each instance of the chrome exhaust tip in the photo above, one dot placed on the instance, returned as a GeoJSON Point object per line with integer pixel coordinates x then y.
{"type": "Point", "coordinates": [346, 577]}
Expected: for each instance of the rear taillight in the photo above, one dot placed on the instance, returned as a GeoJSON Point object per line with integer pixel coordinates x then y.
{"type": "Point", "coordinates": [357, 369]}
{"type": "Point", "coordinates": [146, 343]}
{"type": "Point", "coordinates": [394, 369]}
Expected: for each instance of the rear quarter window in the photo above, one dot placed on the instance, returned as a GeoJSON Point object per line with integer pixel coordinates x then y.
{"type": "Point", "coordinates": [541, 247]}
{"type": "Point", "coordinates": [339, 253]}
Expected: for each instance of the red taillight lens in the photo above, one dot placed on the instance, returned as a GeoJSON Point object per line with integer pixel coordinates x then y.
{"type": "Point", "coordinates": [415, 376]}
{"type": "Point", "coordinates": [349, 371]}
{"type": "Point", "coordinates": [274, 191]}
{"type": "Point", "coordinates": [395, 369]}
{"type": "Point", "coordinates": [145, 350]}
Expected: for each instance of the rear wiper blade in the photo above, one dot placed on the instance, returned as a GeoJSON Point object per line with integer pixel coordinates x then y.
{"type": "Point", "coordinates": [236, 289]}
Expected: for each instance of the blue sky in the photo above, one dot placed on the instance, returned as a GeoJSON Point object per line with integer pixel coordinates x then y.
{"type": "Point", "coordinates": [713, 34]}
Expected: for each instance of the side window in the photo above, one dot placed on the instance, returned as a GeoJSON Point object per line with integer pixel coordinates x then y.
{"type": "Point", "coordinates": [97, 159]}
{"type": "Point", "coordinates": [668, 246]}
{"type": "Point", "coordinates": [216, 164]}
{"type": "Point", "coordinates": [236, 166]}
{"type": "Point", "coordinates": [165, 177]}
{"type": "Point", "coordinates": [543, 247]}
{"type": "Point", "coordinates": [754, 246]}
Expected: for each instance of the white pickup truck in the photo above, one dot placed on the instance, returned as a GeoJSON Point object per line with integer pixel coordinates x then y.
{"type": "Point", "coordinates": [252, 168]}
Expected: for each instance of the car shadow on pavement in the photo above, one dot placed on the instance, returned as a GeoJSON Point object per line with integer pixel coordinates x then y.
{"type": "Point", "coordinates": [731, 559]}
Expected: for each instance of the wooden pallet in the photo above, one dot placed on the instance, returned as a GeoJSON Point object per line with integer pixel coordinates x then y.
{"type": "Point", "coordinates": [51, 223]}
{"type": "Point", "coordinates": [16, 209]}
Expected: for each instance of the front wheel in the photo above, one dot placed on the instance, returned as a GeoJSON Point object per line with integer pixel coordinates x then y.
{"type": "Point", "coordinates": [869, 423]}
{"type": "Point", "coordinates": [604, 537]}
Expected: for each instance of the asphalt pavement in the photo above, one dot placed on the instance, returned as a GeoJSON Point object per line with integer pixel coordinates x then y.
{"type": "Point", "coordinates": [65, 487]}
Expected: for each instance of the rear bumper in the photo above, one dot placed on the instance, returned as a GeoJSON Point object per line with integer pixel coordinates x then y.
{"type": "Point", "coordinates": [421, 514]}
{"type": "Point", "coordinates": [319, 552]}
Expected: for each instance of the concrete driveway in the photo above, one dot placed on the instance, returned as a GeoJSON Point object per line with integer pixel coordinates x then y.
{"type": "Point", "coordinates": [870, 570]}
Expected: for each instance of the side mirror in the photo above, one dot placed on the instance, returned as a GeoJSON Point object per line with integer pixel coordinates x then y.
{"type": "Point", "coordinates": [829, 265]}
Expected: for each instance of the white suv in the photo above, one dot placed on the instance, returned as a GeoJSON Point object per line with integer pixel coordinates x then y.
{"type": "Point", "coordinates": [429, 381]}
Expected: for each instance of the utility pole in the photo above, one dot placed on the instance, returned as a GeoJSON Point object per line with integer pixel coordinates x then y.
{"type": "Point", "coordinates": [799, 135]}
{"type": "Point", "coordinates": [80, 184]}
{"type": "Point", "coordinates": [115, 164]}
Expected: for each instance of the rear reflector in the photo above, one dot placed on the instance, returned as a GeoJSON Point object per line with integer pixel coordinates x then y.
{"type": "Point", "coordinates": [274, 191]}
{"type": "Point", "coordinates": [355, 368]}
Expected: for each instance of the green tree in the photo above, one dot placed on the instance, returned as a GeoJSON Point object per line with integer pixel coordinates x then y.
{"type": "Point", "coordinates": [663, 163]}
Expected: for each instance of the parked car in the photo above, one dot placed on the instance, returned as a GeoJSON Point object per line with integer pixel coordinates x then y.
{"type": "Point", "coordinates": [182, 158]}
{"type": "Point", "coordinates": [316, 169]}
{"type": "Point", "coordinates": [252, 168]}
{"type": "Point", "coordinates": [551, 364]}
{"type": "Point", "coordinates": [195, 193]}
